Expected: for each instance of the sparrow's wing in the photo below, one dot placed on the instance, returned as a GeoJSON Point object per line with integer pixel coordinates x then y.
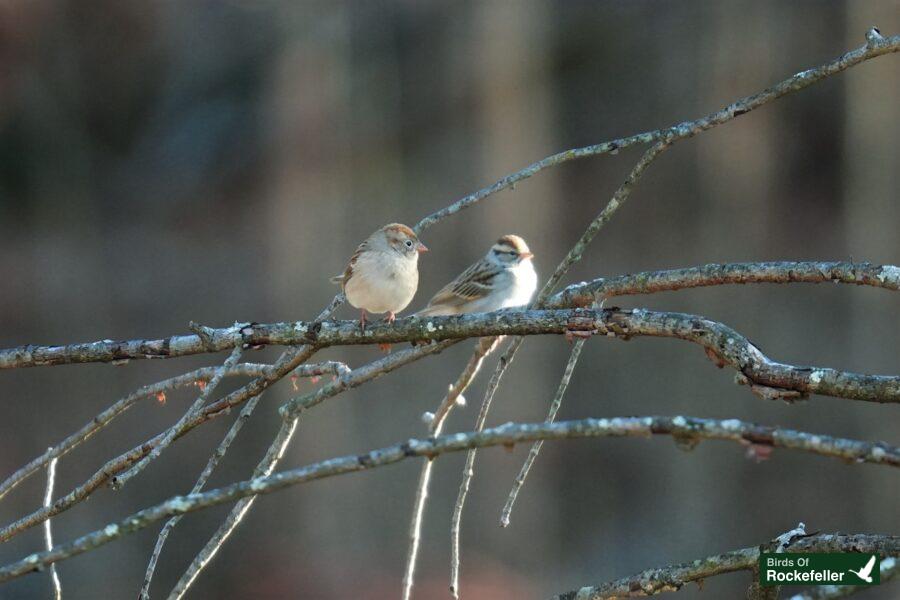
{"type": "Point", "coordinates": [344, 277]}
{"type": "Point", "coordinates": [868, 568]}
{"type": "Point", "coordinates": [473, 283]}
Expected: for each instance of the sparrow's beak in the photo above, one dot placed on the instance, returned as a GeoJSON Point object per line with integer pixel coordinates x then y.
{"type": "Point", "coordinates": [526, 255]}
{"type": "Point", "coordinates": [421, 248]}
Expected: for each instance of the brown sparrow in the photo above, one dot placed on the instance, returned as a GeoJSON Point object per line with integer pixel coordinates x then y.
{"type": "Point", "coordinates": [504, 278]}
{"type": "Point", "coordinates": [383, 273]}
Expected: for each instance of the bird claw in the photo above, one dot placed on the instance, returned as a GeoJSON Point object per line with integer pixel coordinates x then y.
{"type": "Point", "coordinates": [386, 348]}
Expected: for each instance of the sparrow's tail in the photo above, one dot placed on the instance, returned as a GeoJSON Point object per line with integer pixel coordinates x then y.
{"type": "Point", "coordinates": [433, 311]}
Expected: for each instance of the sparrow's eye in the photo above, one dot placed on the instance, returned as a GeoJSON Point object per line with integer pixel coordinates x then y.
{"type": "Point", "coordinates": [409, 243]}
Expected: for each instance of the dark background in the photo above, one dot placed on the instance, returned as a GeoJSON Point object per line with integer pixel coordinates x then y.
{"type": "Point", "coordinates": [163, 161]}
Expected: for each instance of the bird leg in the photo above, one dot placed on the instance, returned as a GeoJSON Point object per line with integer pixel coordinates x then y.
{"type": "Point", "coordinates": [362, 320]}
{"type": "Point", "coordinates": [390, 318]}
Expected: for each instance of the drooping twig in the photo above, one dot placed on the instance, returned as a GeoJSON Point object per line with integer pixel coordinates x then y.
{"type": "Point", "coordinates": [574, 255]}
{"type": "Point", "coordinates": [673, 578]}
{"type": "Point", "coordinates": [536, 447]}
{"type": "Point", "coordinates": [48, 532]}
{"type": "Point", "coordinates": [875, 46]}
{"type": "Point", "coordinates": [291, 411]}
{"type": "Point", "coordinates": [468, 472]}
{"type": "Point", "coordinates": [191, 413]}
{"type": "Point", "coordinates": [436, 421]}
{"type": "Point", "coordinates": [679, 427]}
{"type": "Point", "coordinates": [213, 462]}
{"type": "Point", "coordinates": [263, 469]}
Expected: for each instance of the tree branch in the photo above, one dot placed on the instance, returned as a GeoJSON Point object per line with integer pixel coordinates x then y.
{"type": "Point", "coordinates": [723, 343]}
{"type": "Point", "coordinates": [536, 447]}
{"type": "Point", "coordinates": [506, 435]}
{"type": "Point", "coordinates": [673, 578]}
{"type": "Point", "coordinates": [338, 333]}
{"type": "Point", "coordinates": [875, 46]}
{"type": "Point", "coordinates": [654, 282]}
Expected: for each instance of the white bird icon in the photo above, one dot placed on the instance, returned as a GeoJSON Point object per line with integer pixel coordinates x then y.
{"type": "Point", "coordinates": [865, 572]}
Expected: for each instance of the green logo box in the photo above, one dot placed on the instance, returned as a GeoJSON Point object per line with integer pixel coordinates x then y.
{"type": "Point", "coordinates": [793, 568]}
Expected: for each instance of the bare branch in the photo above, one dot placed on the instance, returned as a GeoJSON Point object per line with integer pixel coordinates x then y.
{"type": "Point", "coordinates": [293, 407]}
{"type": "Point", "coordinates": [468, 470]}
{"type": "Point", "coordinates": [289, 361]}
{"type": "Point", "coordinates": [191, 413]}
{"type": "Point", "coordinates": [213, 462]}
{"type": "Point", "coordinates": [653, 282]}
{"type": "Point", "coordinates": [48, 533]}
{"type": "Point", "coordinates": [728, 346]}
{"type": "Point", "coordinates": [873, 48]}
{"type": "Point", "coordinates": [334, 333]}
{"type": "Point", "coordinates": [263, 469]}
{"type": "Point", "coordinates": [483, 347]}
{"type": "Point", "coordinates": [673, 578]}
{"type": "Point", "coordinates": [105, 417]}
{"type": "Point", "coordinates": [536, 447]}
{"type": "Point", "coordinates": [505, 435]}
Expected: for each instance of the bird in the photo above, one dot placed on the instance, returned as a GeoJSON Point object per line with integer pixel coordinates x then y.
{"type": "Point", "coordinates": [383, 274]}
{"type": "Point", "coordinates": [504, 278]}
{"type": "Point", "coordinates": [866, 572]}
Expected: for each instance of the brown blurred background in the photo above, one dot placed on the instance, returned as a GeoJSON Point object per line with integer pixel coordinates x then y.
{"type": "Point", "coordinates": [167, 161]}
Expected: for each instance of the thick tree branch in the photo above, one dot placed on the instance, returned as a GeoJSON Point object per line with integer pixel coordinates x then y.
{"type": "Point", "coordinates": [673, 578]}
{"type": "Point", "coordinates": [724, 344]}
{"type": "Point", "coordinates": [334, 333]}
{"type": "Point", "coordinates": [678, 427]}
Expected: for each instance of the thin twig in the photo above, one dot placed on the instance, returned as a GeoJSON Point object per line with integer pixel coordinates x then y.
{"type": "Point", "coordinates": [105, 417]}
{"type": "Point", "coordinates": [213, 462]}
{"type": "Point", "coordinates": [574, 255]}
{"type": "Point", "coordinates": [536, 447]}
{"type": "Point", "coordinates": [468, 472]}
{"type": "Point", "coordinates": [874, 47]}
{"type": "Point", "coordinates": [263, 469]}
{"type": "Point", "coordinates": [678, 427]}
{"type": "Point", "coordinates": [107, 473]}
{"type": "Point", "coordinates": [483, 347]}
{"type": "Point", "coordinates": [48, 533]}
{"type": "Point", "coordinates": [191, 413]}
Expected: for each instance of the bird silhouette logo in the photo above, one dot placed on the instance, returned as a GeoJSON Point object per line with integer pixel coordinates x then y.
{"type": "Point", "coordinates": [866, 572]}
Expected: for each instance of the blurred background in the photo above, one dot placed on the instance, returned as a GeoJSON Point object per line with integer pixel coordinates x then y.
{"type": "Point", "coordinates": [162, 162]}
